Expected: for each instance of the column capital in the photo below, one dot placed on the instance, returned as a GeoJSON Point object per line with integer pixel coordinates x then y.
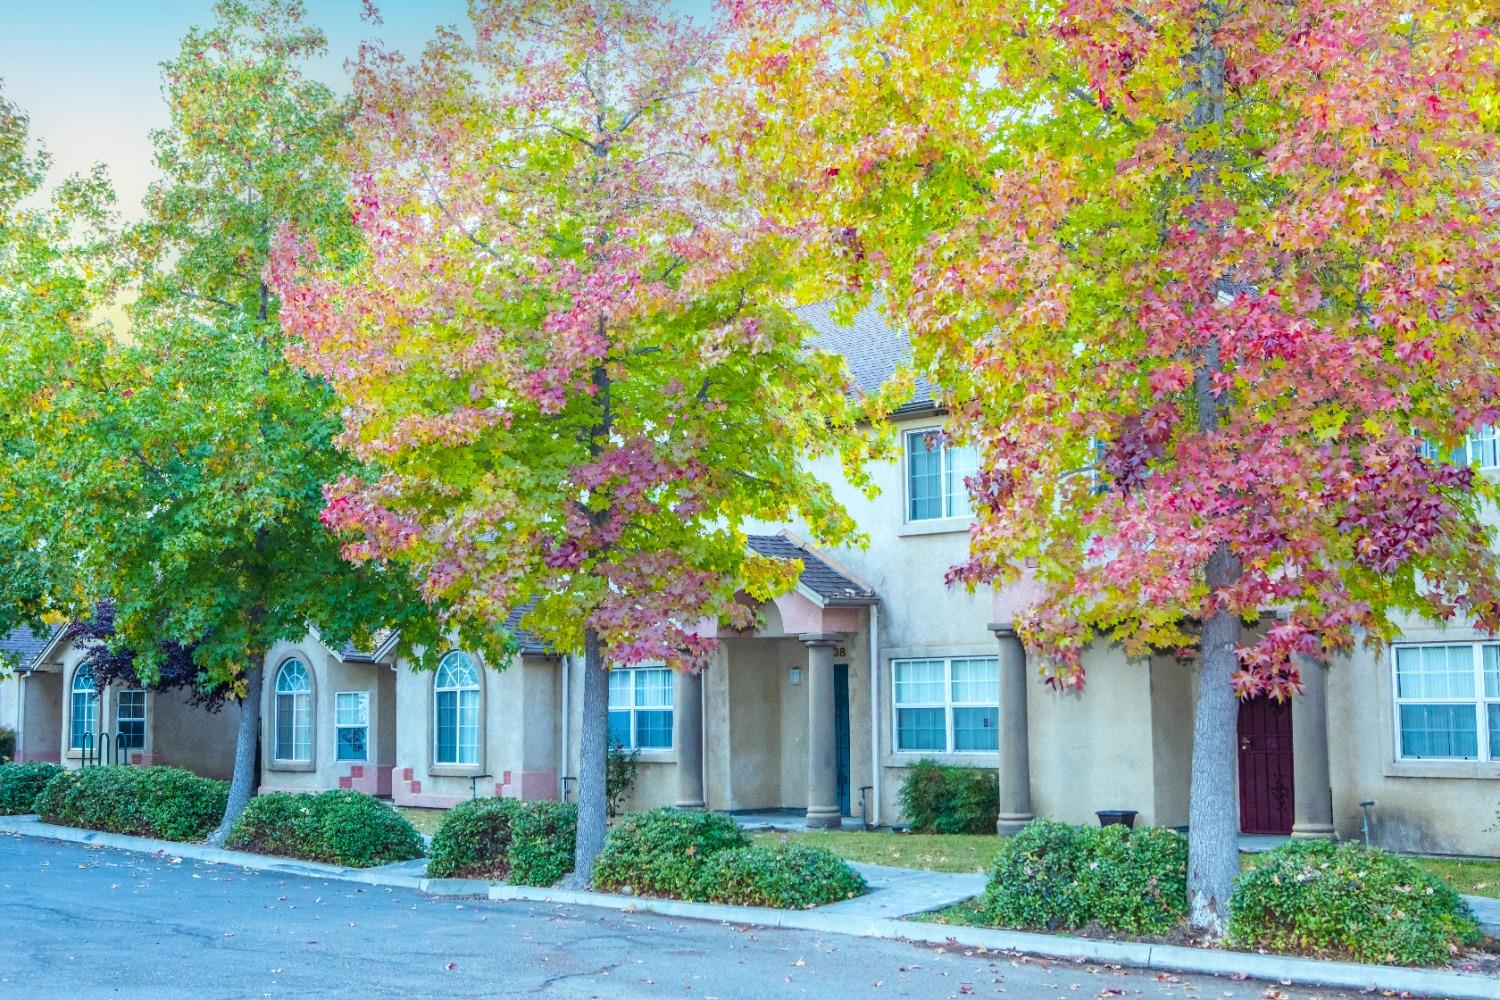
{"type": "Point", "coordinates": [1004, 630]}
{"type": "Point", "coordinates": [824, 639]}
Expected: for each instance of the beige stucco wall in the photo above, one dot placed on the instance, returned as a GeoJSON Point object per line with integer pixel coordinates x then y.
{"type": "Point", "coordinates": [185, 736]}
{"type": "Point", "coordinates": [10, 702]}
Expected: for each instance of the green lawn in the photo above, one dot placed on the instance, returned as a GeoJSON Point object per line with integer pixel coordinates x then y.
{"type": "Point", "coordinates": [425, 820]}
{"type": "Point", "coordinates": [930, 851]}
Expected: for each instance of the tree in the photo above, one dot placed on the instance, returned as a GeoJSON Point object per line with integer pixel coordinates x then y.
{"type": "Point", "coordinates": [1199, 279]}
{"type": "Point", "coordinates": [110, 663]}
{"type": "Point", "coordinates": [190, 456]}
{"type": "Point", "coordinates": [565, 351]}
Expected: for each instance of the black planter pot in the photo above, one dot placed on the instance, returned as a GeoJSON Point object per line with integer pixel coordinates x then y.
{"type": "Point", "coordinates": [1116, 817]}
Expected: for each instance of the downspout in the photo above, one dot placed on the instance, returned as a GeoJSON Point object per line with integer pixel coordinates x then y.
{"type": "Point", "coordinates": [875, 719]}
{"type": "Point", "coordinates": [562, 751]}
{"type": "Point", "coordinates": [703, 739]}
{"type": "Point", "coordinates": [21, 715]}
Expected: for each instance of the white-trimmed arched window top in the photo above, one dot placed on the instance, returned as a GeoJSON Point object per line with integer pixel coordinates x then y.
{"type": "Point", "coordinates": [293, 711]}
{"type": "Point", "coordinates": [456, 710]}
{"type": "Point", "coordinates": [83, 679]}
{"type": "Point", "coordinates": [83, 720]}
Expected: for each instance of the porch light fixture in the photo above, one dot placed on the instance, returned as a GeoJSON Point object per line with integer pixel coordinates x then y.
{"type": "Point", "coordinates": [794, 675]}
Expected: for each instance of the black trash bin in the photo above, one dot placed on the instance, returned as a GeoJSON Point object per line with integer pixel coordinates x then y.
{"type": "Point", "coordinates": [1116, 817]}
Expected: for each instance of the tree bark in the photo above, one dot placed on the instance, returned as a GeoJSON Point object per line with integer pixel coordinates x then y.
{"type": "Point", "coordinates": [1213, 837]}
{"type": "Point", "coordinates": [246, 746]}
{"type": "Point", "coordinates": [592, 759]}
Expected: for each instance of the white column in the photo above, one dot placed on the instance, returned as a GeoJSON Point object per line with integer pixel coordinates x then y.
{"type": "Point", "coordinates": [822, 767]}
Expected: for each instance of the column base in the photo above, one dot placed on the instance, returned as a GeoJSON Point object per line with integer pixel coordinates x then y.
{"type": "Point", "coordinates": [1009, 824]}
{"type": "Point", "coordinates": [698, 806]}
{"type": "Point", "coordinates": [1313, 831]}
{"type": "Point", "coordinates": [824, 818]}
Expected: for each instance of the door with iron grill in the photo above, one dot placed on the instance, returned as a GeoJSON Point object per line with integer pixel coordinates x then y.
{"type": "Point", "coordinates": [1266, 790]}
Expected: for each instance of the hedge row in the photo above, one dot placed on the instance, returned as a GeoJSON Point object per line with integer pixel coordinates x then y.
{"type": "Point", "coordinates": [707, 857]}
{"type": "Point", "coordinates": [163, 802]}
{"type": "Point", "coordinates": [20, 784]}
{"type": "Point", "coordinates": [524, 843]}
{"type": "Point", "coordinates": [340, 827]}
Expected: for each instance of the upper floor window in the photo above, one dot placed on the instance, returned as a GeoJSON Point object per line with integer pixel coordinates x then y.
{"type": "Point", "coordinates": [935, 473]}
{"type": "Point", "coordinates": [456, 709]}
{"type": "Point", "coordinates": [130, 720]}
{"type": "Point", "coordinates": [640, 708]}
{"type": "Point", "coordinates": [1448, 701]}
{"type": "Point", "coordinates": [293, 712]}
{"type": "Point", "coordinates": [351, 721]}
{"type": "Point", "coordinates": [947, 706]}
{"type": "Point", "coordinates": [83, 706]}
{"type": "Point", "coordinates": [1481, 448]}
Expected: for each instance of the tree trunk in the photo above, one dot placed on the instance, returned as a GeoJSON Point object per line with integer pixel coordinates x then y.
{"type": "Point", "coordinates": [1213, 837]}
{"type": "Point", "coordinates": [242, 784]}
{"type": "Point", "coordinates": [592, 759]}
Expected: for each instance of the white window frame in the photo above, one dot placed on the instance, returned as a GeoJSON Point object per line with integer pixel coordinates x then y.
{"type": "Point", "coordinates": [1480, 702]}
{"type": "Point", "coordinates": [121, 717]}
{"type": "Point", "coordinates": [1477, 443]}
{"type": "Point", "coordinates": [90, 693]}
{"type": "Point", "coordinates": [305, 698]}
{"type": "Point", "coordinates": [458, 691]}
{"type": "Point", "coordinates": [635, 708]}
{"type": "Point", "coordinates": [948, 705]}
{"type": "Point", "coordinates": [339, 725]}
{"type": "Point", "coordinates": [956, 506]}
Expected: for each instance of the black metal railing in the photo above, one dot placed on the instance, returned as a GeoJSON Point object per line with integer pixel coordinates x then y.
{"type": "Point", "coordinates": [104, 748]}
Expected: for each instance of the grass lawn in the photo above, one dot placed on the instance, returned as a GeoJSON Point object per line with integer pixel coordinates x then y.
{"type": "Point", "coordinates": [930, 851]}
{"type": "Point", "coordinates": [1472, 877]}
{"type": "Point", "coordinates": [425, 820]}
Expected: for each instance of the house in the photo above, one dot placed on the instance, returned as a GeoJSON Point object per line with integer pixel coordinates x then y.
{"type": "Point", "coordinates": [869, 665]}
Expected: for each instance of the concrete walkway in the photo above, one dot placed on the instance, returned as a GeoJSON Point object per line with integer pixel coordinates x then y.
{"type": "Point", "coordinates": [784, 821]}
{"type": "Point", "coordinates": [903, 892]}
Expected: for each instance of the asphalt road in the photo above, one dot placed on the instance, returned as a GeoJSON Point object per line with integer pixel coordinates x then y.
{"type": "Point", "coordinates": [81, 922]}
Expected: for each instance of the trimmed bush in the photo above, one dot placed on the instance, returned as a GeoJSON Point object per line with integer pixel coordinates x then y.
{"type": "Point", "coordinates": [660, 852]}
{"type": "Point", "coordinates": [788, 877]}
{"type": "Point", "coordinates": [1348, 900]}
{"type": "Point", "coordinates": [1055, 876]}
{"type": "Point", "coordinates": [524, 843]}
{"type": "Point", "coordinates": [164, 802]}
{"type": "Point", "coordinates": [340, 827]}
{"type": "Point", "coordinates": [940, 798]}
{"type": "Point", "coordinates": [20, 784]}
{"type": "Point", "coordinates": [7, 744]}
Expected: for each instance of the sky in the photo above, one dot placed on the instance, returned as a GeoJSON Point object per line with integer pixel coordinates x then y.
{"type": "Point", "coordinates": [87, 72]}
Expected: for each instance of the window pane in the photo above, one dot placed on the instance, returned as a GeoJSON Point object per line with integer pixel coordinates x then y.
{"type": "Point", "coordinates": [1492, 673]}
{"type": "Point", "coordinates": [468, 727]}
{"type": "Point", "coordinates": [284, 723]}
{"type": "Point", "coordinates": [302, 730]}
{"type": "Point", "coordinates": [1439, 731]}
{"type": "Point", "coordinates": [85, 717]}
{"type": "Point", "coordinates": [920, 729]}
{"type": "Point", "coordinates": [447, 727]}
{"type": "Point", "coordinates": [1494, 712]}
{"type": "Point", "coordinates": [976, 729]}
{"type": "Point", "coordinates": [653, 688]}
{"type": "Point", "coordinates": [653, 730]}
{"type": "Point", "coordinates": [959, 464]}
{"type": "Point", "coordinates": [130, 720]}
{"type": "Point", "coordinates": [1484, 447]}
{"type": "Point", "coordinates": [924, 474]}
{"type": "Point", "coordinates": [352, 742]}
{"type": "Point", "coordinates": [619, 689]}
{"type": "Point", "coordinates": [619, 728]}
{"type": "Point", "coordinates": [919, 682]}
{"type": "Point", "coordinates": [1435, 672]}
{"type": "Point", "coordinates": [352, 708]}
{"type": "Point", "coordinates": [457, 670]}
{"type": "Point", "coordinates": [976, 681]}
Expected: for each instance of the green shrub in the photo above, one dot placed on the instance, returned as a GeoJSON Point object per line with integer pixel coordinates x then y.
{"type": "Point", "coordinates": [164, 802]}
{"type": "Point", "coordinates": [660, 852]}
{"type": "Point", "coordinates": [940, 798]}
{"type": "Point", "coordinates": [20, 784]}
{"type": "Point", "coordinates": [1348, 900]}
{"type": "Point", "coordinates": [1055, 876]}
{"type": "Point", "coordinates": [7, 744]}
{"type": "Point", "coordinates": [340, 827]}
{"type": "Point", "coordinates": [787, 877]}
{"type": "Point", "coordinates": [524, 843]}
{"type": "Point", "coordinates": [620, 766]}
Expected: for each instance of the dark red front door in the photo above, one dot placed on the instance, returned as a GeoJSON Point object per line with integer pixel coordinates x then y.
{"type": "Point", "coordinates": [1266, 766]}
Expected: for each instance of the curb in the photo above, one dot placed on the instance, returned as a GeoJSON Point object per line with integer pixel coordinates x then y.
{"type": "Point", "coordinates": [1163, 958]}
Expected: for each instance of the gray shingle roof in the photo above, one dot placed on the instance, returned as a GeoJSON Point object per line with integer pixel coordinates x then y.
{"type": "Point", "coordinates": [530, 644]}
{"type": "Point", "coordinates": [818, 575]}
{"type": "Point", "coordinates": [871, 347]}
{"type": "Point", "coordinates": [22, 646]}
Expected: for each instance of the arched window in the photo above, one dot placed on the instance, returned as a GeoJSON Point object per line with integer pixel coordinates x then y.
{"type": "Point", "coordinates": [293, 712]}
{"type": "Point", "coordinates": [456, 709]}
{"type": "Point", "coordinates": [85, 708]}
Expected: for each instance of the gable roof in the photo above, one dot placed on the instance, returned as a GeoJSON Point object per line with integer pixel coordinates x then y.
{"type": "Point", "coordinates": [871, 347]}
{"type": "Point", "coordinates": [530, 644]}
{"type": "Point", "coordinates": [820, 577]}
{"type": "Point", "coordinates": [23, 646]}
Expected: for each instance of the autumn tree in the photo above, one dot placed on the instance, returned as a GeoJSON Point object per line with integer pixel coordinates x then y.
{"type": "Point", "coordinates": [1201, 280]}
{"type": "Point", "coordinates": [189, 456]}
{"type": "Point", "coordinates": [565, 352]}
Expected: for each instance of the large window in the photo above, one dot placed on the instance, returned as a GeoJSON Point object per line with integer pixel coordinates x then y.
{"type": "Point", "coordinates": [293, 712]}
{"type": "Point", "coordinates": [640, 708]}
{"type": "Point", "coordinates": [83, 709]}
{"type": "Point", "coordinates": [457, 710]}
{"type": "Point", "coordinates": [130, 720]}
{"type": "Point", "coordinates": [1481, 448]}
{"type": "Point", "coordinates": [947, 706]}
{"type": "Point", "coordinates": [1448, 701]}
{"type": "Point", "coordinates": [935, 474]}
{"type": "Point", "coordinates": [351, 721]}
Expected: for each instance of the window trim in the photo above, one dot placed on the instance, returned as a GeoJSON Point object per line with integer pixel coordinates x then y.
{"type": "Point", "coordinates": [1485, 753]}
{"type": "Point", "coordinates": [946, 521]}
{"type": "Point", "coordinates": [635, 709]}
{"type": "Point", "coordinates": [1489, 433]}
{"type": "Point", "coordinates": [94, 695]}
{"type": "Point", "coordinates": [948, 706]}
{"type": "Point", "coordinates": [438, 766]}
{"type": "Point", "coordinates": [339, 727]}
{"type": "Point", "coordinates": [279, 762]}
{"type": "Point", "coordinates": [143, 718]}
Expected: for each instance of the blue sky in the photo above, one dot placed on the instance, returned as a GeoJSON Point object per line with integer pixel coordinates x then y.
{"type": "Point", "coordinates": [87, 71]}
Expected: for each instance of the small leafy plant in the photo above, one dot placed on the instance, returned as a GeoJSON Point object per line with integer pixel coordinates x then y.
{"type": "Point", "coordinates": [20, 784]}
{"type": "Point", "coordinates": [523, 843]}
{"type": "Point", "coordinates": [660, 852]}
{"type": "Point", "coordinates": [620, 766]}
{"type": "Point", "coordinates": [941, 798]}
{"type": "Point", "coordinates": [341, 827]}
{"type": "Point", "coordinates": [790, 876]}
